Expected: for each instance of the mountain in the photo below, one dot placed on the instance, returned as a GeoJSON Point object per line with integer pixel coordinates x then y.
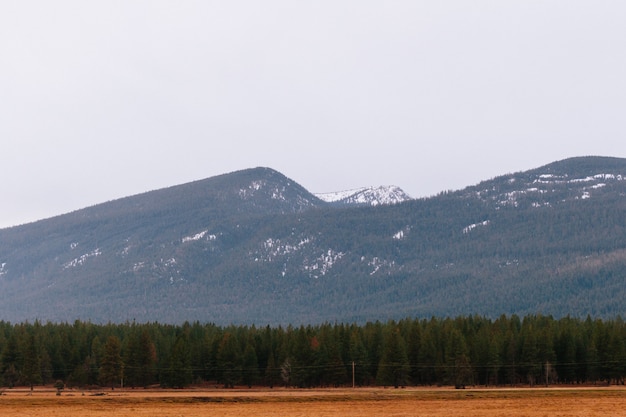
{"type": "Point", "coordinates": [367, 196]}
{"type": "Point", "coordinates": [256, 247]}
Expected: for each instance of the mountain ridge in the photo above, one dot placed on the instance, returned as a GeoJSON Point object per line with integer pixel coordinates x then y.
{"type": "Point", "coordinates": [254, 246]}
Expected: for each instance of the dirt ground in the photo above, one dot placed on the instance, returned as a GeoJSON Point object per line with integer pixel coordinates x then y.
{"type": "Point", "coordinates": [552, 402]}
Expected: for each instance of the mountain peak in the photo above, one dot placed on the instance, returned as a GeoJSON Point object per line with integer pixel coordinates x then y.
{"type": "Point", "coordinates": [366, 196]}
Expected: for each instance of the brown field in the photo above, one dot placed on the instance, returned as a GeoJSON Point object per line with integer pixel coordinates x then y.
{"type": "Point", "coordinates": [552, 402]}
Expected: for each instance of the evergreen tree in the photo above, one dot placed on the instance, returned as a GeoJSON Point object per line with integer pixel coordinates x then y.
{"type": "Point", "coordinates": [31, 368]}
{"type": "Point", "coordinates": [510, 365]}
{"type": "Point", "coordinates": [272, 372]}
{"type": "Point", "coordinates": [139, 359]}
{"type": "Point", "coordinates": [179, 373]}
{"type": "Point", "coordinates": [10, 361]}
{"type": "Point", "coordinates": [97, 350]}
{"type": "Point", "coordinates": [414, 346]}
{"type": "Point", "coordinates": [358, 357]}
{"type": "Point", "coordinates": [334, 370]}
{"type": "Point", "coordinates": [111, 364]}
{"type": "Point", "coordinates": [250, 365]}
{"type": "Point", "coordinates": [393, 368]}
{"type": "Point", "coordinates": [303, 355]}
{"type": "Point", "coordinates": [229, 360]}
{"type": "Point", "coordinates": [458, 369]}
{"type": "Point", "coordinates": [592, 362]}
{"type": "Point", "coordinates": [530, 363]}
{"type": "Point", "coordinates": [429, 357]}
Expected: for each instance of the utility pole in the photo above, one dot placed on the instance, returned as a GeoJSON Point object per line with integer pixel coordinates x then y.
{"type": "Point", "coordinates": [353, 374]}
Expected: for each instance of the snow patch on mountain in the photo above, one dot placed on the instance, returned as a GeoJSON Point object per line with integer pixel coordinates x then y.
{"type": "Point", "coordinates": [401, 234]}
{"type": "Point", "coordinates": [252, 188]}
{"type": "Point", "coordinates": [323, 264]}
{"type": "Point", "coordinates": [540, 189]}
{"type": "Point", "coordinates": [371, 196]}
{"type": "Point", "coordinates": [276, 193]}
{"type": "Point", "coordinates": [471, 227]}
{"type": "Point", "coordinates": [274, 248]}
{"type": "Point", "coordinates": [82, 259]}
{"type": "Point", "coordinates": [377, 264]}
{"type": "Point", "coordinates": [199, 236]}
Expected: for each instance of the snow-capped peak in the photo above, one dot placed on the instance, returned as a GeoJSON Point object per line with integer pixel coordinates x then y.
{"type": "Point", "coordinates": [370, 196]}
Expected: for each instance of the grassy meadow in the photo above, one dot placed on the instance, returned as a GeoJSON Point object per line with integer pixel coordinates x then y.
{"type": "Point", "coordinates": [588, 402]}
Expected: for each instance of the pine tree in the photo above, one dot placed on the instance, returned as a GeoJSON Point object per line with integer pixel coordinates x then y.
{"type": "Point", "coordinates": [335, 373]}
{"type": "Point", "coordinates": [393, 368]}
{"type": "Point", "coordinates": [111, 365]}
{"type": "Point", "coordinates": [458, 370]}
{"type": "Point", "coordinates": [414, 345]}
{"type": "Point", "coordinates": [272, 372]}
{"type": "Point", "coordinates": [229, 360]}
{"type": "Point", "coordinates": [9, 361]}
{"type": "Point", "coordinates": [303, 356]}
{"type": "Point", "coordinates": [179, 374]}
{"type": "Point", "coordinates": [139, 359]}
{"type": "Point", "coordinates": [250, 365]}
{"type": "Point", "coordinates": [358, 357]}
{"type": "Point", "coordinates": [31, 368]}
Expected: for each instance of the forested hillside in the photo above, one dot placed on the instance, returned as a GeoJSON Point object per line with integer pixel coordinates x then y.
{"type": "Point", "coordinates": [254, 247]}
{"type": "Point", "coordinates": [471, 350]}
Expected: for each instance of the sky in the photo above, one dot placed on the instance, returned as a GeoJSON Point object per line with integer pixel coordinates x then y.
{"type": "Point", "coordinates": [104, 99]}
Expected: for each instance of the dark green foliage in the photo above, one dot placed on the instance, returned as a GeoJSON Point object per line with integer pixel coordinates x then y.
{"type": "Point", "coordinates": [475, 350]}
{"type": "Point", "coordinates": [31, 364]}
{"type": "Point", "coordinates": [179, 373]}
{"type": "Point", "coordinates": [393, 368]}
{"type": "Point", "coordinates": [10, 361]}
{"type": "Point", "coordinates": [139, 359]}
{"type": "Point", "coordinates": [250, 365]}
{"type": "Point", "coordinates": [357, 358]}
{"type": "Point", "coordinates": [111, 364]}
{"type": "Point", "coordinates": [272, 372]}
{"type": "Point", "coordinates": [229, 361]}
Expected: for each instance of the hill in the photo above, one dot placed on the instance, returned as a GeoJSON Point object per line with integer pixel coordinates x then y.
{"type": "Point", "coordinates": [255, 247]}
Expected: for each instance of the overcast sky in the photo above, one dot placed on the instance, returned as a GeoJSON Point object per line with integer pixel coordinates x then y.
{"type": "Point", "coordinates": [105, 99]}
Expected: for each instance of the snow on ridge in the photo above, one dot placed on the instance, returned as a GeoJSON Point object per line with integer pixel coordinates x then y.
{"type": "Point", "coordinates": [563, 179]}
{"type": "Point", "coordinates": [373, 196]}
{"type": "Point", "coordinates": [333, 197]}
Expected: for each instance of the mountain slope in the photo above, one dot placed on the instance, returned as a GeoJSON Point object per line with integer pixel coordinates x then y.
{"type": "Point", "coordinates": [255, 247]}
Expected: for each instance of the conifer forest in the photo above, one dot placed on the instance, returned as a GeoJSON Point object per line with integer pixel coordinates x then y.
{"type": "Point", "coordinates": [464, 351]}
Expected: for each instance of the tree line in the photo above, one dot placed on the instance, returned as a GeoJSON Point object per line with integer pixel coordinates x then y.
{"type": "Point", "coordinates": [470, 350]}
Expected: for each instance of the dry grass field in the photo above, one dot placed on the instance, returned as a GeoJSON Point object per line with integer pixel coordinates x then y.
{"type": "Point", "coordinates": [552, 402]}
